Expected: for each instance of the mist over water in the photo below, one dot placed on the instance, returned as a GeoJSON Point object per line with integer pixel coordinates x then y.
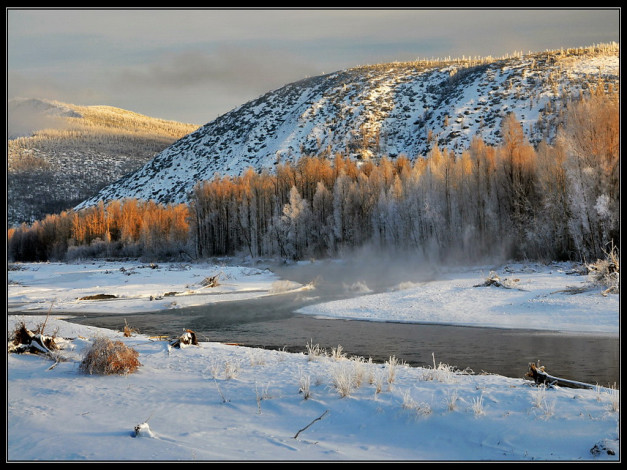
{"type": "Point", "coordinates": [364, 270]}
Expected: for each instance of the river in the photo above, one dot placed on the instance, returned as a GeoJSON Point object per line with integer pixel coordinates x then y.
{"type": "Point", "coordinates": [272, 322]}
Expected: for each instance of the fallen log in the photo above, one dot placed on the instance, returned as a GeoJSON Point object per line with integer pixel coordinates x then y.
{"type": "Point", "coordinates": [98, 297]}
{"type": "Point", "coordinates": [494, 280]}
{"type": "Point", "coordinates": [541, 377]}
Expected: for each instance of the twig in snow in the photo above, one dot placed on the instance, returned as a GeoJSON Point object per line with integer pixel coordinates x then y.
{"type": "Point", "coordinates": [317, 419]}
{"type": "Point", "coordinates": [43, 326]}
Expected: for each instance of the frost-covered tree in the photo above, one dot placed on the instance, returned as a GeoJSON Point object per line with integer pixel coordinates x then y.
{"type": "Point", "coordinates": [295, 225]}
{"type": "Point", "coordinates": [322, 234]}
{"type": "Point", "coordinates": [591, 140]}
{"type": "Point", "coordinates": [517, 189]}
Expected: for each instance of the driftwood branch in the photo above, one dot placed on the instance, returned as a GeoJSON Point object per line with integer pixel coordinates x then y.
{"type": "Point", "coordinates": [211, 281]}
{"type": "Point", "coordinates": [541, 377]}
{"type": "Point", "coordinates": [306, 427]}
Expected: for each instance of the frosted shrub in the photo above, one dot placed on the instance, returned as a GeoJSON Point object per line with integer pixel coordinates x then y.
{"type": "Point", "coordinates": [541, 401]}
{"type": "Point", "coordinates": [378, 378]}
{"type": "Point", "coordinates": [441, 372]}
{"type": "Point", "coordinates": [420, 409]}
{"type": "Point", "coordinates": [337, 354]}
{"type": "Point", "coordinates": [372, 370]}
{"type": "Point", "coordinates": [359, 369]}
{"type": "Point", "coordinates": [539, 396]}
{"type": "Point", "coordinates": [343, 379]}
{"type": "Point", "coordinates": [256, 357]}
{"type": "Point", "coordinates": [408, 401]}
{"type": "Point", "coordinates": [214, 368]}
{"type": "Point", "coordinates": [614, 398]}
{"type": "Point", "coordinates": [261, 395]}
{"type": "Point", "coordinates": [304, 385]}
{"type": "Point", "coordinates": [231, 369]}
{"type": "Point", "coordinates": [606, 272]}
{"type": "Point", "coordinates": [451, 399]}
{"type": "Point", "coordinates": [110, 357]}
{"type": "Point", "coordinates": [548, 408]}
{"type": "Point", "coordinates": [391, 365]}
{"type": "Point", "coordinates": [314, 351]}
{"type": "Point", "coordinates": [477, 405]}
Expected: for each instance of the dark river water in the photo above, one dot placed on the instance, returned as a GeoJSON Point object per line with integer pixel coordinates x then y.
{"type": "Point", "coordinates": [272, 322]}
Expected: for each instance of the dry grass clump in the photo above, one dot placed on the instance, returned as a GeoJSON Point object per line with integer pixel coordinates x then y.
{"type": "Point", "coordinates": [128, 331]}
{"type": "Point", "coordinates": [606, 272]}
{"type": "Point", "coordinates": [110, 357]}
{"type": "Point", "coordinates": [314, 351]}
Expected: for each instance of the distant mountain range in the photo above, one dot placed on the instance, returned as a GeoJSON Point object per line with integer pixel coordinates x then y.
{"type": "Point", "coordinates": [60, 154]}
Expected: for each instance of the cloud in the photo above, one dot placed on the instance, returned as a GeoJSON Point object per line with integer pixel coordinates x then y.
{"type": "Point", "coordinates": [142, 59]}
{"type": "Point", "coordinates": [26, 116]}
{"type": "Point", "coordinates": [227, 68]}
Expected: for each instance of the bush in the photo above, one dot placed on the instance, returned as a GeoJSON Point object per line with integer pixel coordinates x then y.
{"type": "Point", "coordinates": [606, 272]}
{"type": "Point", "coordinates": [110, 357]}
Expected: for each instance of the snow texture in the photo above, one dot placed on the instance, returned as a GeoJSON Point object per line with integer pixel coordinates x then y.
{"type": "Point", "coordinates": [217, 401]}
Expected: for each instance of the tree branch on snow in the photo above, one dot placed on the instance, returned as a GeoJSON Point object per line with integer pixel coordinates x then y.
{"type": "Point", "coordinates": [306, 427]}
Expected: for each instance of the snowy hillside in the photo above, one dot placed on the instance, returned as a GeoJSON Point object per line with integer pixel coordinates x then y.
{"type": "Point", "coordinates": [366, 112]}
{"type": "Point", "coordinates": [58, 154]}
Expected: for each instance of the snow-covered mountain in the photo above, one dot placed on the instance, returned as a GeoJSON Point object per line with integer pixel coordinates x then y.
{"type": "Point", "coordinates": [366, 112]}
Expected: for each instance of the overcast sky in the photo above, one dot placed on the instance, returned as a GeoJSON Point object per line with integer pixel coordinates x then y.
{"type": "Point", "coordinates": [194, 65]}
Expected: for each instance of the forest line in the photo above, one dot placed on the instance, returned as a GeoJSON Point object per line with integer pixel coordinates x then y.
{"type": "Point", "coordinates": [553, 201]}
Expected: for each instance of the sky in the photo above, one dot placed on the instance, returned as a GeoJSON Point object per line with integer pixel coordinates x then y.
{"type": "Point", "coordinates": [193, 65]}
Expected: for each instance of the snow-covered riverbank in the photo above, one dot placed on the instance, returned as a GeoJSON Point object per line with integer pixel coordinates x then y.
{"type": "Point", "coordinates": [544, 297]}
{"type": "Point", "coordinates": [221, 402]}
{"type": "Point", "coordinates": [128, 286]}
{"type": "Point", "coordinates": [533, 296]}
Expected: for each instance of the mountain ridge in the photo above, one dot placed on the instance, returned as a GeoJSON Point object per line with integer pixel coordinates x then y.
{"type": "Point", "coordinates": [372, 111]}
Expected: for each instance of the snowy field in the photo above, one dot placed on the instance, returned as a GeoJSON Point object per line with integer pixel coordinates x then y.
{"type": "Point", "coordinates": [216, 401]}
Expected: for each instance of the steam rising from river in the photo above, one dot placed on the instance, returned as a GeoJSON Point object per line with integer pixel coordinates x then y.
{"type": "Point", "coordinates": [360, 272]}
